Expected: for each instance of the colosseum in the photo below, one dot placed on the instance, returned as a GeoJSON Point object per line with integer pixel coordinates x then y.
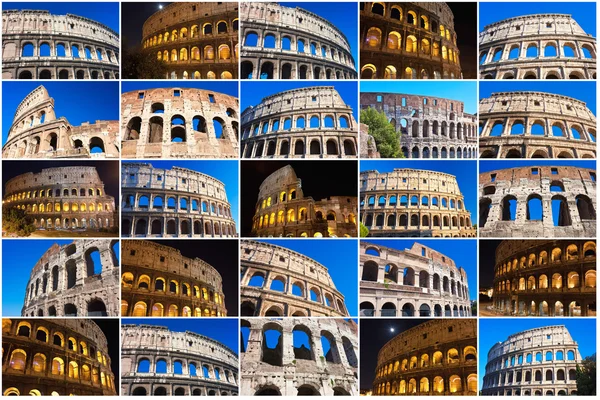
{"type": "Point", "coordinates": [408, 41]}
{"type": "Point", "coordinates": [66, 281]}
{"type": "Point", "coordinates": [291, 284]}
{"type": "Point", "coordinates": [537, 46]}
{"type": "Point", "coordinates": [436, 207]}
{"type": "Point", "coordinates": [62, 198]}
{"type": "Point", "coordinates": [535, 125]}
{"type": "Point", "coordinates": [195, 40]}
{"type": "Point", "coordinates": [55, 357]}
{"type": "Point", "coordinates": [436, 358]}
{"type": "Point", "coordinates": [325, 364]}
{"type": "Point", "coordinates": [313, 121]}
{"type": "Point", "coordinates": [292, 43]}
{"type": "Point", "coordinates": [37, 133]}
{"type": "Point", "coordinates": [282, 210]}
{"type": "Point", "coordinates": [430, 127]}
{"type": "Point", "coordinates": [419, 281]}
{"type": "Point", "coordinates": [521, 202]}
{"type": "Point", "coordinates": [158, 281]}
{"type": "Point", "coordinates": [536, 362]}
{"type": "Point", "coordinates": [172, 123]}
{"type": "Point", "coordinates": [545, 278]}
{"type": "Point", "coordinates": [176, 202]}
{"type": "Point", "coordinates": [158, 362]}
{"type": "Point", "coordinates": [368, 147]}
{"type": "Point", "coordinates": [39, 45]}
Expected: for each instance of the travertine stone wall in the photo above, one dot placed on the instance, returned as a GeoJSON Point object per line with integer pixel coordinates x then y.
{"type": "Point", "coordinates": [545, 278]}
{"type": "Point", "coordinates": [289, 268]}
{"type": "Point", "coordinates": [157, 281]}
{"type": "Point", "coordinates": [196, 354]}
{"type": "Point", "coordinates": [179, 123]}
{"type": "Point", "coordinates": [368, 147]}
{"type": "Point", "coordinates": [504, 48]}
{"type": "Point", "coordinates": [419, 281]}
{"type": "Point", "coordinates": [311, 122]}
{"type": "Point", "coordinates": [292, 43]}
{"type": "Point", "coordinates": [64, 47]}
{"type": "Point", "coordinates": [289, 371]}
{"type": "Point", "coordinates": [413, 203]}
{"type": "Point", "coordinates": [572, 187]}
{"type": "Point", "coordinates": [408, 41]}
{"type": "Point", "coordinates": [536, 362]}
{"type": "Point", "coordinates": [196, 40]}
{"type": "Point", "coordinates": [55, 357]}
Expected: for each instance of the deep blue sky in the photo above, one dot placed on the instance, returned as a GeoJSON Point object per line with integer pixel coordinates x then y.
{"type": "Point", "coordinates": [583, 91]}
{"type": "Point", "coordinates": [77, 101]}
{"type": "Point", "coordinates": [224, 170]}
{"type": "Point", "coordinates": [494, 330]}
{"type": "Point", "coordinates": [463, 252]}
{"type": "Point", "coordinates": [223, 330]}
{"type": "Point", "coordinates": [464, 170]}
{"type": "Point", "coordinates": [18, 259]}
{"type": "Point", "coordinates": [254, 92]}
{"type": "Point", "coordinates": [229, 88]}
{"type": "Point", "coordinates": [106, 13]}
{"type": "Point", "coordinates": [583, 13]}
{"type": "Point", "coordinates": [343, 15]}
{"type": "Point", "coordinates": [339, 257]}
{"type": "Point", "coordinates": [455, 90]}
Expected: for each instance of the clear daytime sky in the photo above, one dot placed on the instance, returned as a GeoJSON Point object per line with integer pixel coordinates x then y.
{"type": "Point", "coordinates": [224, 170]}
{"type": "Point", "coordinates": [254, 92]}
{"type": "Point", "coordinates": [229, 88]}
{"type": "Point", "coordinates": [343, 15]}
{"type": "Point", "coordinates": [18, 259]}
{"type": "Point", "coordinates": [223, 330]}
{"type": "Point", "coordinates": [464, 171]}
{"type": "Point", "coordinates": [463, 252]}
{"type": "Point", "coordinates": [582, 12]}
{"type": "Point", "coordinates": [106, 13]}
{"type": "Point", "coordinates": [339, 257]}
{"type": "Point", "coordinates": [456, 90]}
{"type": "Point", "coordinates": [494, 330]}
{"type": "Point", "coordinates": [583, 91]}
{"type": "Point", "coordinates": [77, 101]}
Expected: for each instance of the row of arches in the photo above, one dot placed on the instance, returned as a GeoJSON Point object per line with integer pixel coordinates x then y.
{"type": "Point", "coordinates": [370, 71]}
{"type": "Point", "coordinates": [68, 50]}
{"type": "Point", "coordinates": [67, 206]}
{"type": "Point", "coordinates": [73, 223]}
{"type": "Point", "coordinates": [64, 192]}
{"type": "Point", "coordinates": [178, 129]}
{"type": "Point", "coordinates": [435, 129]}
{"type": "Point", "coordinates": [453, 385]}
{"type": "Point", "coordinates": [315, 121]}
{"type": "Point", "coordinates": [518, 51]}
{"type": "Point", "coordinates": [179, 204]}
{"type": "Point", "coordinates": [205, 54]}
{"type": "Point", "coordinates": [210, 74]}
{"type": "Point", "coordinates": [63, 73]}
{"type": "Point", "coordinates": [549, 376]}
{"type": "Point", "coordinates": [389, 309]}
{"type": "Point", "coordinates": [415, 221]}
{"type": "Point", "coordinates": [148, 226]}
{"type": "Point", "coordinates": [528, 307]}
{"type": "Point", "coordinates": [452, 356]}
{"type": "Point", "coordinates": [533, 73]}
{"type": "Point", "coordinates": [268, 70]}
{"type": "Point", "coordinates": [184, 367]}
{"type": "Point", "coordinates": [34, 145]}
{"type": "Point", "coordinates": [294, 215]}
{"type": "Point", "coordinates": [193, 32]}
{"type": "Point", "coordinates": [536, 127]}
{"type": "Point", "coordinates": [435, 152]}
{"type": "Point", "coordinates": [415, 201]}
{"type": "Point", "coordinates": [174, 286]}
{"type": "Point", "coordinates": [281, 147]}
{"type": "Point", "coordinates": [530, 357]}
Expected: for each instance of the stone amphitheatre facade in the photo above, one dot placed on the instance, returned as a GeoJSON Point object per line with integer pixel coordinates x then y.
{"type": "Point", "coordinates": [158, 281]}
{"type": "Point", "coordinates": [283, 272]}
{"type": "Point", "coordinates": [413, 203]}
{"type": "Point", "coordinates": [408, 41]}
{"type": "Point", "coordinates": [538, 46]}
{"type": "Point", "coordinates": [536, 362]}
{"type": "Point", "coordinates": [158, 362]}
{"type": "Point", "coordinates": [287, 370]}
{"type": "Point", "coordinates": [67, 198]}
{"type": "Point", "coordinates": [436, 358]}
{"type": "Point", "coordinates": [176, 202]}
{"type": "Point", "coordinates": [311, 122]}
{"type": "Point", "coordinates": [545, 278]}
{"type": "Point", "coordinates": [292, 43]}
{"type": "Point", "coordinates": [282, 210]}
{"type": "Point", "coordinates": [66, 282]}
{"type": "Point", "coordinates": [36, 132]}
{"type": "Point", "coordinates": [179, 123]}
{"type": "Point", "coordinates": [55, 357]}
{"type": "Point", "coordinates": [535, 125]}
{"type": "Point", "coordinates": [413, 282]}
{"type": "Point", "coordinates": [429, 127]}
{"type": "Point", "coordinates": [39, 45]}
{"type": "Point", "coordinates": [195, 40]}
{"type": "Point", "coordinates": [510, 201]}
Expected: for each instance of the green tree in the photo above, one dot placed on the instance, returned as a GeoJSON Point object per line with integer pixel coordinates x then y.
{"type": "Point", "coordinates": [586, 376]}
{"type": "Point", "coordinates": [364, 231]}
{"type": "Point", "coordinates": [139, 64]}
{"type": "Point", "coordinates": [16, 222]}
{"type": "Point", "coordinates": [473, 308]}
{"type": "Point", "coordinates": [386, 137]}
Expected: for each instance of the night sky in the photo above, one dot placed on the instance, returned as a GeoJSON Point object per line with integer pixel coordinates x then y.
{"type": "Point", "coordinates": [111, 329]}
{"type": "Point", "coordinates": [133, 16]}
{"type": "Point", "coordinates": [465, 26]}
{"type": "Point", "coordinates": [220, 254]}
{"type": "Point", "coordinates": [320, 179]}
{"type": "Point", "coordinates": [487, 260]}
